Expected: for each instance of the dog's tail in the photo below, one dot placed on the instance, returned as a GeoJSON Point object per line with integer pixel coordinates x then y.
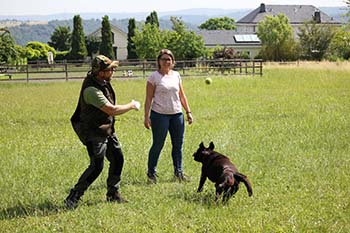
{"type": "Point", "coordinates": [242, 178]}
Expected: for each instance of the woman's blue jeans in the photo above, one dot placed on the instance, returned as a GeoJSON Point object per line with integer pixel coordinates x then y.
{"type": "Point", "coordinates": [161, 124]}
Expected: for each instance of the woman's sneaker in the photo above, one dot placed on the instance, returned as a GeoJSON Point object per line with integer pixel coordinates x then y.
{"type": "Point", "coordinates": [152, 178]}
{"type": "Point", "coordinates": [181, 177]}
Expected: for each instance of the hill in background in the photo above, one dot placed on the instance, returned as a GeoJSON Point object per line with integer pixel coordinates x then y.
{"type": "Point", "coordinates": [40, 27]}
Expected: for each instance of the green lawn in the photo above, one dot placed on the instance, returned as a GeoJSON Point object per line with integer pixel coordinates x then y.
{"type": "Point", "coordinates": [288, 131]}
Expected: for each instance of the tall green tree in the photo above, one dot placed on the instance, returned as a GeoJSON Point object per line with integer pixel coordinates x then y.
{"type": "Point", "coordinates": [347, 2]}
{"type": "Point", "coordinates": [131, 33]}
{"type": "Point", "coordinates": [224, 23]}
{"type": "Point", "coordinates": [148, 41]}
{"type": "Point", "coordinates": [78, 48]}
{"type": "Point", "coordinates": [8, 52]}
{"type": "Point", "coordinates": [183, 43]}
{"type": "Point", "coordinates": [106, 46]}
{"type": "Point", "coordinates": [276, 35]}
{"type": "Point", "coordinates": [339, 46]}
{"type": "Point", "coordinates": [153, 19]}
{"type": "Point", "coordinates": [314, 40]}
{"type": "Point", "coordinates": [61, 38]}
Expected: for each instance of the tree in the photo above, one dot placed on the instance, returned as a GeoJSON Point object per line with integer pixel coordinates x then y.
{"type": "Point", "coordinates": [131, 33]}
{"type": "Point", "coordinates": [276, 35]}
{"type": "Point", "coordinates": [61, 38]}
{"type": "Point", "coordinates": [106, 46]}
{"type": "Point", "coordinates": [92, 45]}
{"type": "Point", "coordinates": [314, 40]}
{"type": "Point", "coordinates": [224, 23]}
{"type": "Point", "coordinates": [8, 52]}
{"type": "Point", "coordinates": [21, 54]}
{"type": "Point", "coordinates": [340, 44]}
{"type": "Point", "coordinates": [178, 25]}
{"type": "Point", "coordinates": [38, 51]}
{"type": "Point", "coordinates": [153, 19]}
{"type": "Point", "coordinates": [148, 41]}
{"type": "Point", "coordinates": [183, 43]}
{"type": "Point", "coordinates": [347, 14]}
{"type": "Point", "coordinates": [78, 48]}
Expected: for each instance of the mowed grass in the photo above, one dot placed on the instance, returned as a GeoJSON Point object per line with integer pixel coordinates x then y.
{"type": "Point", "coordinates": [288, 131]}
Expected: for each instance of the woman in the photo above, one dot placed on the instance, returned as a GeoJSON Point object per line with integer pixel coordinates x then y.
{"type": "Point", "coordinates": [165, 98]}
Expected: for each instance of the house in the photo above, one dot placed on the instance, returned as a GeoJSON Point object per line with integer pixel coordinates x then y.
{"type": "Point", "coordinates": [297, 15]}
{"type": "Point", "coordinates": [242, 43]}
{"type": "Point", "coordinates": [120, 41]}
{"type": "Point", "coordinates": [244, 38]}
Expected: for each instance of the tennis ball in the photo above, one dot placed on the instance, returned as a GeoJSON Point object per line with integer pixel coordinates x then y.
{"type": "Point", "coordinates": [208, 81]}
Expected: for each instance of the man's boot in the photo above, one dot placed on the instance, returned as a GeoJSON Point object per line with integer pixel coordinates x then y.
{"type": "Point", "coordinates": [73, 198]}
{"type": "Point", "coordinates": [115, 196]}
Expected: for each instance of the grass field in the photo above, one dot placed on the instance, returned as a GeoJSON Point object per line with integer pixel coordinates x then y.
{"type": "Point", "coordinates": [288, 131]}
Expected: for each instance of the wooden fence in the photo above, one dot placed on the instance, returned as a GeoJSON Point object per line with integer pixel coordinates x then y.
{"type": "Point", "coordinates": [41, 70]}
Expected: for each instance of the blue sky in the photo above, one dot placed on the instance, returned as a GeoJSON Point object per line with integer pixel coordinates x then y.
{"type": "Point", "coordinates": [45, 7]}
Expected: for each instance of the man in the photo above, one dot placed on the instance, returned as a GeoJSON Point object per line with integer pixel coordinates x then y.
{"type": "Point", "coordinates": [93, 121]}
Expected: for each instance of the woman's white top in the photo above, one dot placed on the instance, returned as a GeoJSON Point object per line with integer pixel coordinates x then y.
{"type": "Point", "coordinates": [166, 99]}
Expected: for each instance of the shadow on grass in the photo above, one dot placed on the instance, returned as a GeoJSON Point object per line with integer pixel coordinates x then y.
{"type": "Point", "coordinates": [21, 210]}
{"type": "Point", "coordinates": [45, 208]}
{"type": "Point", "coordinates": [205, 198]}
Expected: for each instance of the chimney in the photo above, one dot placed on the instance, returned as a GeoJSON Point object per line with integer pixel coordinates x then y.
{"type": "Point", "coordinates": [317, 17]}
{"type": "Point", "coordinates": [262, 8]}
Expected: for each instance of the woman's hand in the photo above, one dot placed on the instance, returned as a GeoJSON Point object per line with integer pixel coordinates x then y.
{"type": "Point", "coordinates": [147, 123]}
{"type": "Point", "coordinates": [189, 117]}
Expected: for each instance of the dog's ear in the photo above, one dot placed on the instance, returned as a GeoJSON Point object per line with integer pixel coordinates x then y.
{"type": "Point", "coordinates": [201, 146]}
{"type": "Point", "coordinates": [211, 146]}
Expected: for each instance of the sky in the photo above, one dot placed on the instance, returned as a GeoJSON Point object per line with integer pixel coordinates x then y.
{"type": "Point", "coordinates": [47, 7]}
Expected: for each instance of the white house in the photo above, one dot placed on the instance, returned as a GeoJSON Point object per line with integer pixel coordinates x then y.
{"type": "Point", "coordinates": [244, 38]}
{"type": "Point", "coordinates": [120, 41]}
{"type": "Point", "coordinates": [297, 15]}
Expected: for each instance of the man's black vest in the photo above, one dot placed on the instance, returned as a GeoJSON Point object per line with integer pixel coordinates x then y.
{"type": "Point", "coordinates": [88, 121]}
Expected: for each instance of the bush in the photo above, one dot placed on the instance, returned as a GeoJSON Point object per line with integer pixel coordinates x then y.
{"type": "Point", "coordinates": [38, 51]}
{"type": "Point", "coordinates": [62, 55]}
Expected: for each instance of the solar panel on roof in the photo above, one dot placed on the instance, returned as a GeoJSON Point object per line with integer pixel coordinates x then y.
{"type": "Point", "coordinates": [246, 38]}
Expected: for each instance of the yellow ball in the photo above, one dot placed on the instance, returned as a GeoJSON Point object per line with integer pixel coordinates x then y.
{"type": "Point", "coordinates": [208, 80]}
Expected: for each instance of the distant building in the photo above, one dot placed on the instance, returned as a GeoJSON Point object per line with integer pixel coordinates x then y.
{"type": "Point", "coordinates": [297, 15]}
{"type": "Point", "coordinates": [244, 38]}
{"type": "Point", "coordinates": [120, 41]}
{"type": "Point", "coordinates": [241, 43]}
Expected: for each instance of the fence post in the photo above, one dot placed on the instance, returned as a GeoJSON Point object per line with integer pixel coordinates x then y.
{"type": "Point", "coordinates": [27, 71]}
{"type": "Point", "coordinates": [223, 65]}
{"type": "Point", "coordinates": [234, 66]}
{"type": "Point", "coordinates": [143, 69]}
{"type": "Point", "coordinates": [183, 67]}
{"type": "Point", "coordinates": [66, 70]}
{"type": "Point", "coordinates": [253, 67]}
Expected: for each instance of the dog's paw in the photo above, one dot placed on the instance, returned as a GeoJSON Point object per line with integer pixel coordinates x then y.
{"type": "Point", "coordinates": [199, 190]}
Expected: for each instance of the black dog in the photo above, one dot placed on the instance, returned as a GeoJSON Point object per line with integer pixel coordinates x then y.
{"type": "Point", "coordinates": [219, 169]}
